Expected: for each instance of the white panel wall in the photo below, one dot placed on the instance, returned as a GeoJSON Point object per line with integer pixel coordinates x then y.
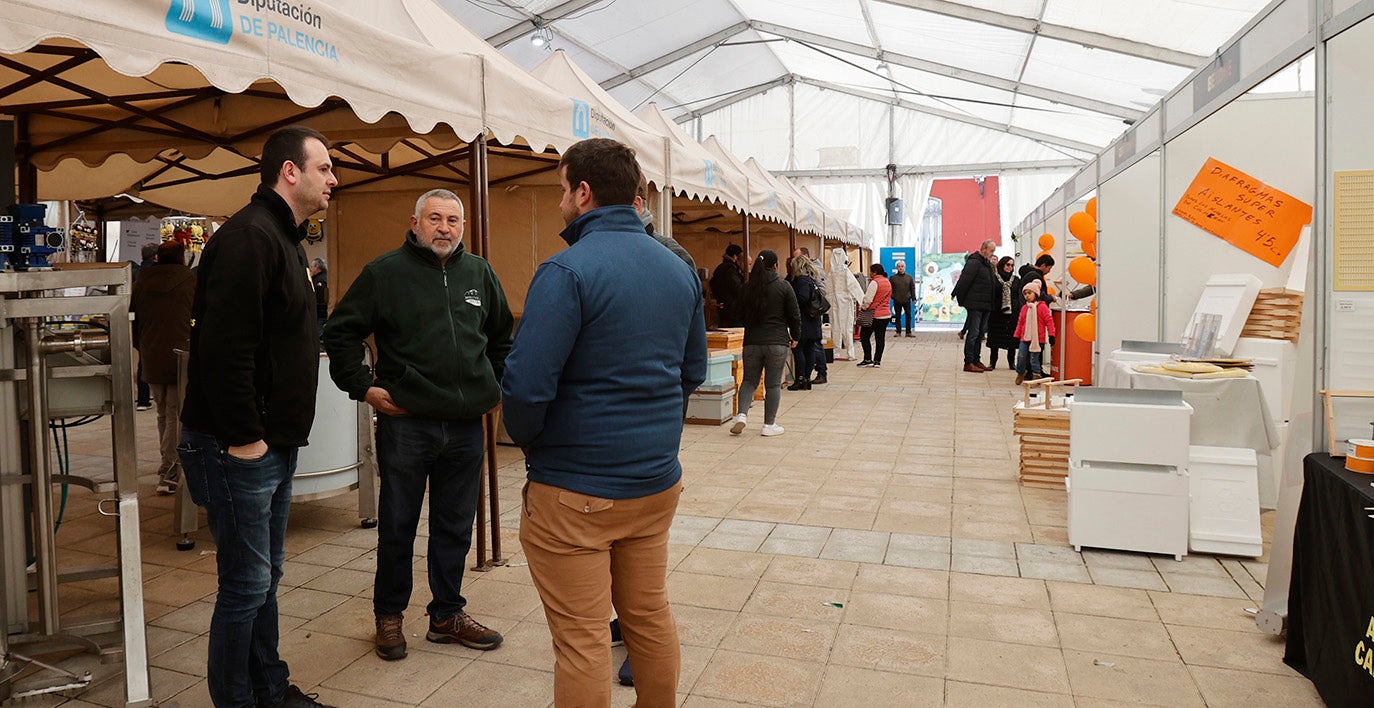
{"type": "Point", "coordinates": [1268, 138]}
{"type": "Point", "coordinates": [1351, 88]}
{"type": "Point", "coordinates": [1128, 219]}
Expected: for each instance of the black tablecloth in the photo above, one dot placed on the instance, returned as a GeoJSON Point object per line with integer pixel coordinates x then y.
{"type": "Point", "coordinates": [1331, 598]}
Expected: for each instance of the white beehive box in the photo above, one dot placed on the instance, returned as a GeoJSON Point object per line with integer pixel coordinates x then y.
{"type": "Point", "coordinates": [1128, 471]}
{"type": "Point", "coordinates": [1224, 516]}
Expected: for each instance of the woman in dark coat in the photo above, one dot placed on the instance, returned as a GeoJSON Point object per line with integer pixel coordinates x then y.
{"type": "Point", "coordinates": [772, 325]}
{"type": "Point", "coordinates": [1002, 322]}
{"type": "Point", "coordinates": [804, 283]}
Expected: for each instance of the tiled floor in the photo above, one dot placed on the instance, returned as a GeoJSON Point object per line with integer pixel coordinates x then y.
{"type": "Point", "coordinates": [879, 553]}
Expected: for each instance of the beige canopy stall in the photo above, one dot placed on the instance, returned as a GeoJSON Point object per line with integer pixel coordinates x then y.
{"type": "Point", "coordinates": [171, 101]}
{"type": "Point", "coordinates": [600, 116]}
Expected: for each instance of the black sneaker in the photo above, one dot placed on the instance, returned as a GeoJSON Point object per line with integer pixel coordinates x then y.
{"type": "Point", "coordinates": [624, 675]}
{"type": "Point", "coordinates": [296, 698]}
{"type": "Point", "coordinates": [616, 639]}
{"type": "Point", "coordinates": [143, 406]}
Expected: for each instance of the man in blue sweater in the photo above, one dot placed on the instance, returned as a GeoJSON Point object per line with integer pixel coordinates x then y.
{"type": "Point", "coordinates": [612, 343]}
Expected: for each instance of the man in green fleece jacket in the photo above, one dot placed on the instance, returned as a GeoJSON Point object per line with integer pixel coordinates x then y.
{"type": "Point", "coordinates": [442, 329]}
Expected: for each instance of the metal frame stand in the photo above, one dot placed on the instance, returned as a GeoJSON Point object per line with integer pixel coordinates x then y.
{"type": "Point", "coordinates": [28, 302]}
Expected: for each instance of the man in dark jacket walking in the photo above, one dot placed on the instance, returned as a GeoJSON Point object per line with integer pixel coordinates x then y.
{"type": "Point", "coordinates": [161, 303]}
{"type": "Point", "coordinates": [1042, 267]}
{"type": "Point", "coordinates": [727, 287]}
{"type": "Point", "coordinates": [612, 344]}
{"type": "Point", "coordinates": [319, 280]}
{"type": "Point", "coordinates": [903, 294]}
{"type": "Point", "coordinates": [976, 292]}
{"type": "Point", "coordinates": [250, 403]}
{"type": "Point", "coordinates": [442, 328]}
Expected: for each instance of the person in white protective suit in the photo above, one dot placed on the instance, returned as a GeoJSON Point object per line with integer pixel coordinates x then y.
{"type": "Point", "coordinates": [845, 295]}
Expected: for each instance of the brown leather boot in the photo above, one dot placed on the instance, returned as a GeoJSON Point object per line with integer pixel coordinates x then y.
{"type": "Point", "coordinates": [390, 640]}
{"type": "Point", "coordinates": [463, 629]}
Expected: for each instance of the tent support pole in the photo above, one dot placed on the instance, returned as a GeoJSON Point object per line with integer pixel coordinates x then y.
{"type": "Point", "coordinates": [27, 185]}
{"type": "Point", "coordinates": [487, 489]}
{"type": "Point", "coordinates": [748, 250]}
{"type": "Point", "coordinates": [791, 240]}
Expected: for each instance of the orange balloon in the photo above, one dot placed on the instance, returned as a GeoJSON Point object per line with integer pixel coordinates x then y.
{"type": "Point", "coordinates": [1090, 248]}
{"type": "Point", "coordinates": [1083, 270]}
{"type": "Point", "coordinates": [1082, 226]}
{"type": "Point", "coordinates": [1051, 290]}
{"type": "Point", "coordinates": [1085, 326]}
{"type": "Point", "coordinates": [1091, 208]}
{"type": "Point", "coordinates": [1092, 306]}
{"type": "Point", "coordinates": [1046, 242]}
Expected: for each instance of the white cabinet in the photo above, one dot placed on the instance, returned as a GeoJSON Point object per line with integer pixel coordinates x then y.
{"type": "Point", "coordinates": [1128, 470]}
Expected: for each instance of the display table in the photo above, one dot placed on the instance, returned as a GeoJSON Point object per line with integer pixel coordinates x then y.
{"type": "Point", "coordinates": [1071, 357]}
{"type": "Point", "coordinates": [1226, 412]}
{"type": "Point", "coordinates": [1331, 597]}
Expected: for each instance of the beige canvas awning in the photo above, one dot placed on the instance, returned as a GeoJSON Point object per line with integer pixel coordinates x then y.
{"type": "Point", "coordinates": [172, 100]}
{"type": "Point", "coordinates": [597, 115]}
{"type": "Point", "coordinates": [764, 202]}
{"type": "Point", "coordinates": [697, 173]}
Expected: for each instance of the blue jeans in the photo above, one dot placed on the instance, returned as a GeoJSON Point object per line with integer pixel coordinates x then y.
{"type": "Point", "coordinates": [977, 326]}
{"type": "Point", "coordinates": [804, 356]}
{"type": "Point", "coordinates": [448, 455]}
{"type": "Point", "coordinates": [1029, 362]}
{"type": "Point", "coordinates": [818, 356]}
{"type": "Point", "coordinates": [247, 503]}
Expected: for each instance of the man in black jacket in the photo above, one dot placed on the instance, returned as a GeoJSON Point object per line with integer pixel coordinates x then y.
{"type": "Point", "coordinates": [442, 327]}
{"type": "Point", "coordinates": [975, 291]}
{"type": "Point", "coordinates": [1042, 267]}
{"type": "Point", "coordinates": [250, 403]}
{"type": "Point", "coordinates": [727, 287]}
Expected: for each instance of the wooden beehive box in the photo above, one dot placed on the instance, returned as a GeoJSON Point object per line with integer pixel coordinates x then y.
{"type": "Point", "coordinates": [1043, 427]}
{"type": "Point", "coordinates": [1044, 435]}
{"type": "Point", "coordinates": [1277, 314]}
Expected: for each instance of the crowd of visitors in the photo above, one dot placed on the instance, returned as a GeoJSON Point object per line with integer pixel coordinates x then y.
{"type": "Point", "coordinates": [602, 465]}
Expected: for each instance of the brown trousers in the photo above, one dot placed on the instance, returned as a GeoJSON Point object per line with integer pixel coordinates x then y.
{"type": "Point", "coordinates": [586, 554]}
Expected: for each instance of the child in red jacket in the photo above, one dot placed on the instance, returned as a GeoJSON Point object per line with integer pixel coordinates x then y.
{"type": "Point", "coordinates": [1034, 328]}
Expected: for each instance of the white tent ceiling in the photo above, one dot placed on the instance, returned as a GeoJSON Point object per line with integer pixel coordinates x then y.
{"type": "Point", "coordinates": [1060, 78]}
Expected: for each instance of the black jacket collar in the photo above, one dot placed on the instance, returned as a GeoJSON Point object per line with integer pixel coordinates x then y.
{"type": "Point", "coordinates": [267, 198]}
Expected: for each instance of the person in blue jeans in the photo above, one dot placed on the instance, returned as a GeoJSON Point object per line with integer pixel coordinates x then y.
{"type": "Point", "coordinates": [442, 328]}
{"type": "Point", "coordinates": [250, 404]}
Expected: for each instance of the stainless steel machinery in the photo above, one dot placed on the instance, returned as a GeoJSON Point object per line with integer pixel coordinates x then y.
{"type": "Point", "coordinates": [51, 368]}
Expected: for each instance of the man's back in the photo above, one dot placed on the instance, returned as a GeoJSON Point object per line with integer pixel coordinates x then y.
{"type": "Point", "coordinates": [612, 340]}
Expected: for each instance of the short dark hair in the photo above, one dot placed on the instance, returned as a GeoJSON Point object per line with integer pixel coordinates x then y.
{"type": "Point", "coordinates": [286, 144]}
{"type": "Point", "coordinates": [607, 166]}
{"type": "Point", "coordinates": [171, 252]}
{"type": "Point", "coordinates": [878, 269]}
{"type": "Point", "coordinates": [1045, 260]}
{"type": "Point", "coordinates": [149, 250]}
{"type": "Point", "coordinates": [733, 250]}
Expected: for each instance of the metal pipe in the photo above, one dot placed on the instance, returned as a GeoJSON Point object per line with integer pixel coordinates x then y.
{"type": "Point", "coordinates": [40, 489]}
{"type": "Point", "coordinates": [492, 483]}
{"type": "Point", "coordinates": [77, 343]}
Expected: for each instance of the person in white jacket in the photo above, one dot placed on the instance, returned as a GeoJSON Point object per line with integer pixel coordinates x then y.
{"type": "Point", "coordinates": [845, 295]}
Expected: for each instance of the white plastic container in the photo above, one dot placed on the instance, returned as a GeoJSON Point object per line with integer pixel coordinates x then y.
{"type": "Point", "coordinates": [1224, 514]}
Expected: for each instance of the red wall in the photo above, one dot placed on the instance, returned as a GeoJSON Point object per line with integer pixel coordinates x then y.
{"type": "Point", "coordinates": [969, 217]}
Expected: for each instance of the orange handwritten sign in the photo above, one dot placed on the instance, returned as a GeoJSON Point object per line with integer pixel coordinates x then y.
{"type": "Point", "coordinates": [1244, 211]}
